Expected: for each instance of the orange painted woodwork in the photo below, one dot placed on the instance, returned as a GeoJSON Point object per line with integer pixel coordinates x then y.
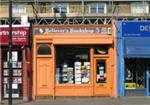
{"type": "Point", "coordinates": [102, 89]}
{"type": "Point", "coordinates": [73, 39]}
{"type": "Point", "coordinates": [44, 76]}
{"type": "Point", "coordinates": [44, 66]}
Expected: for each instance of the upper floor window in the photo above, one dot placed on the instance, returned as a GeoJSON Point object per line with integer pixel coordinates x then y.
{"type": "Point", "coordinates": [139, 7]}
{"type": "Point", "coordinates": [19, 8]}
{"type": "Point", "coordinates": [60, 8]}
{"type": "Point", "coordinates": [97, 8]}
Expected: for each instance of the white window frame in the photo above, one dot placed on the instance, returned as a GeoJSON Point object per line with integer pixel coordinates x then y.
{"type": "Point", "coordinates": [97, 4]}
{"type": "Point", "coordinates": [135, 6]}
{"type": "Point", "coordinates": [19, 9]}
{"type": "Point", "coordinates": [59, 5]}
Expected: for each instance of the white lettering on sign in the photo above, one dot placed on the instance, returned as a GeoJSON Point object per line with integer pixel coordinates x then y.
{"type": "Point", "coordinates": [18, 32]}
{"type": "Point", "coordinates": [20, 35]}
{"type": "Point", "coordinates": [73, 30]}
{"type": "Point", "coordinates": [144, 27]}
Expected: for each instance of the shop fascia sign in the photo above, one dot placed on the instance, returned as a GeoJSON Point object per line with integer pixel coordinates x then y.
{"type": "Point", "coordinates": [136, 29]}
{"type": "Point", "coordinates": [98, 30]}
{"type": "Point", "coordinates": [20, 34]}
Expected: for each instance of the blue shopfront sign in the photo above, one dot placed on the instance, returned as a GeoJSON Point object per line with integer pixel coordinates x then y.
{"type": "Point", "coordinates": [136, 29]}
{"type": "Point", "coordinates": [133, 41]}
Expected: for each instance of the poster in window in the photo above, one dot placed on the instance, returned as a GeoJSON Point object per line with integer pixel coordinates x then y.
{"type": "Point", "coordinates": [15, 72]}
{"type": "Point", "coordinates": [14, 86]}
{"type": "Point", "coordinates": [5, 80]}
{"type": "Point", "coordinates": [14, 64]}
{"type": "Point", "coordinates": [19, 72]}
{"type": "Point", "coordinates": [15, 80]}
{"type": "Point", "coordinates": [14, 56]}
{"type": "Point", "coordinates": [5, 72]}
{"type": "Point", "coordinates": [5, 65]}
{"type": "Point", "coordinates": [19, 80]}
{"type": "Point", "coordinates": [15, 95]}
{"type": "Point", "coordinates": [19, 64]}
{"type": "Point", "coordinates": [101, 73]}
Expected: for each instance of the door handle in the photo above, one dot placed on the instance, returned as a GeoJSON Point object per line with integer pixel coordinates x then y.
{"type": "Point", "coordinates": [44, 85]}
{"type": "Point", "coordinates": [101, 84]}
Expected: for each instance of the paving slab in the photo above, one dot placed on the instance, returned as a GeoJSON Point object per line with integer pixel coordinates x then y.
{"type": "Point", "coordinates": [86, 101]}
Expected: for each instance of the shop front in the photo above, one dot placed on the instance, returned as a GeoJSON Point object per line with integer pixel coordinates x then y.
{"type": "Point", "coordinates": [20, 62]}
{"type": "Point", "coordinates": [73, 61]}
{"type": "Point", "coordinates": [133, 58]}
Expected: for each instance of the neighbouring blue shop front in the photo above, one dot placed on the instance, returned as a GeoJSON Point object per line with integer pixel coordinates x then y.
{"type": "Point", "coordinates": [133, 58]}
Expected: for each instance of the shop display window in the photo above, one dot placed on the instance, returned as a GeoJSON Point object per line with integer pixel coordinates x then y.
{"type": "Point", "coordinates": [72, 65]}
{"type": "Point", "coordinates": [17, 67]}
{"type": "Point", "coordinates": [135, 73]}
{"type": "Point", "coordinates": [101, 76]}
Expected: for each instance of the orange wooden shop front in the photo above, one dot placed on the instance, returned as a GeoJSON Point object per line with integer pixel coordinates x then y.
{"type": "Point", "coordinates": [64, 46]}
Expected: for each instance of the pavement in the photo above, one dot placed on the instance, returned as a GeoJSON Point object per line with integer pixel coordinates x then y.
{"type": "Point", "coordinates": [86, 101]}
